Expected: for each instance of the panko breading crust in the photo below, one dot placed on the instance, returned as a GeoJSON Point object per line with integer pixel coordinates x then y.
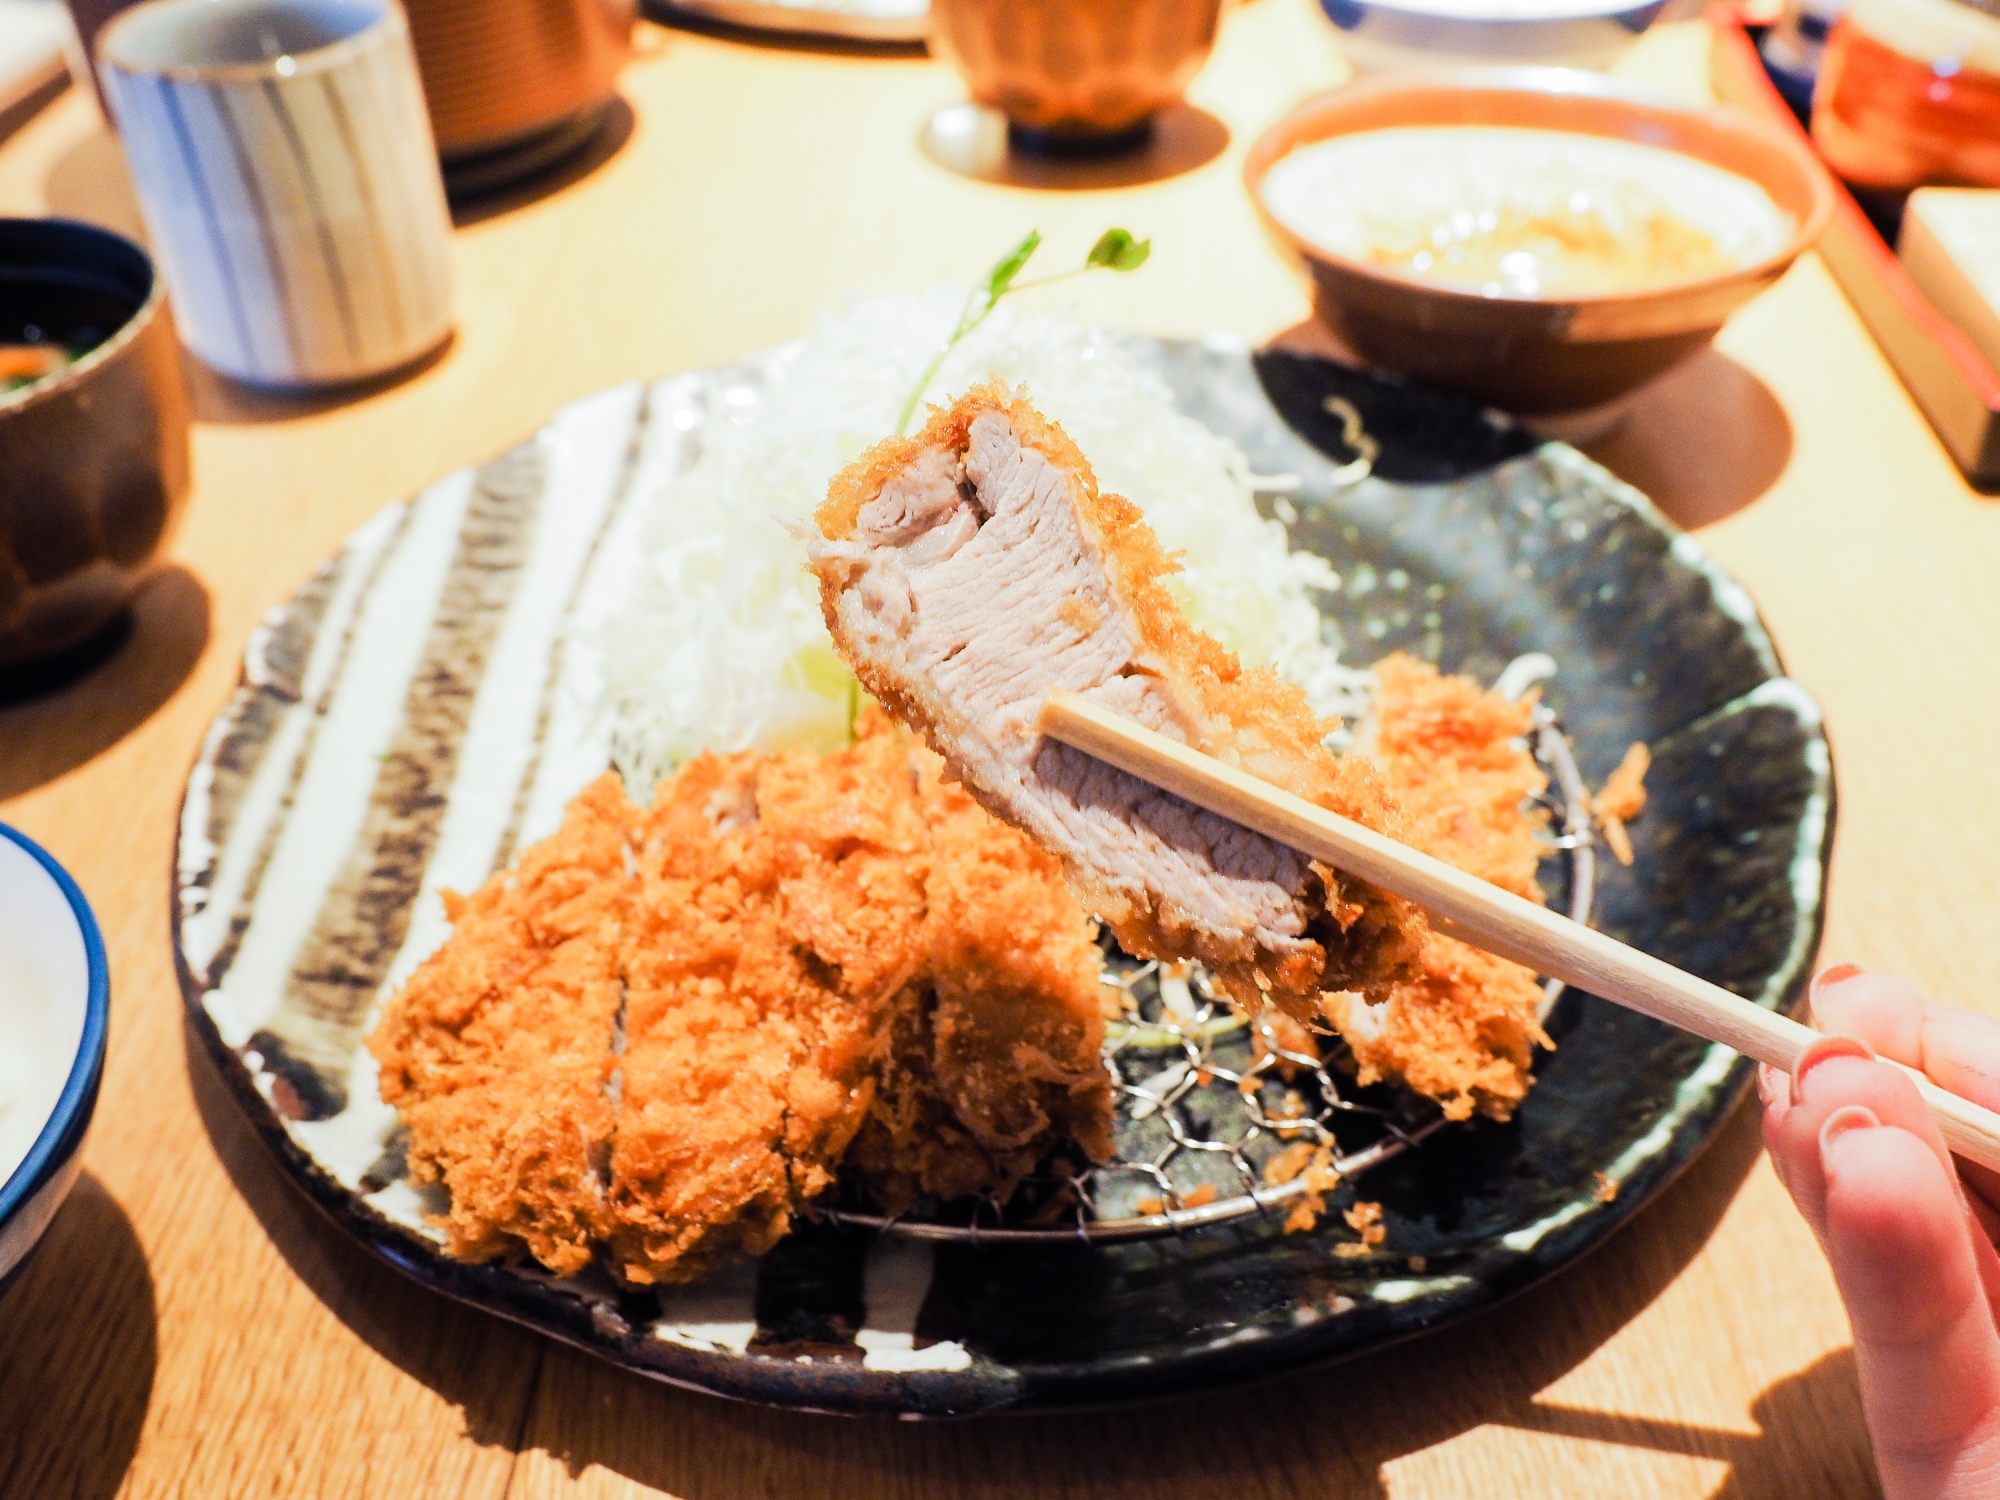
{"type": "Point", "coordinates": [780, 919]}
{"type": "Point", "coordinates": [1004, 1057]}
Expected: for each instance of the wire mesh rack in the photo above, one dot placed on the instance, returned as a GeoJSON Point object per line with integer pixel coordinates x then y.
{"type": "Point", "coordinates": [1221, 1117]}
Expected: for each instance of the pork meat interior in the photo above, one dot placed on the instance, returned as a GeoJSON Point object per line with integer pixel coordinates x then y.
{"type": "Point", "coordinates": [967, 571]}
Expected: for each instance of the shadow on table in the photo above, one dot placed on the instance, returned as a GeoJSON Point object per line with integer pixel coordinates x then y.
{"type": "Point", "coordinates": [218, 398]}
{"type": "Point", "coordinates": [24, 109]}
{"type": "Point", "coordinates": [1329, 1432]}
{"type": "Point", "coordinates": [614, 128]}
{"type": "Point", "coordinates": [90, 181]}
{"type": "Point", "coordinates": [485, 1367]}
{"type": "Point", "coordinates": [972, 141]}
{"type": "Point", "coordinates": [51, 728]}
{"type": "Point", "coordinates": [78, 1348]}
{"type": "Point", "coordinates": [1788, 1455]}
{"type": "Point", "coordinates": [1705, 440]}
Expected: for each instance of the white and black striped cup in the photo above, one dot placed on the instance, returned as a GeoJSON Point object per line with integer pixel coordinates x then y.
{"type": "Point", "coordinates": [285, 168]}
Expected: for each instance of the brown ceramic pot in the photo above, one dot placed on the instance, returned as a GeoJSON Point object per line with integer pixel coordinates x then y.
{"type": "Point", "coordinates": [93, 458]}
{"type": "Point", "coordinates": [1075, 70]}
{"type": "Point", "coordinates": [1561, 352]}
{"type": "Point", "coordinates": [501, 73]}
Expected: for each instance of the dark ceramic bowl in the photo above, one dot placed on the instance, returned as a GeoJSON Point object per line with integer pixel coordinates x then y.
{"type": "Point", "coordinates": [94, 457]}
{"type": "Point", "coordinates": [55, 1008]}
{"type": "Point", "coordinates": [1559, 352]}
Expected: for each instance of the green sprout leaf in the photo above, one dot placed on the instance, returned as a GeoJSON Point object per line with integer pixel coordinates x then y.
{"type": "Point", "coordinates": [1116, 250]}
{"type": "Point", "coordinates": [1001, 277]}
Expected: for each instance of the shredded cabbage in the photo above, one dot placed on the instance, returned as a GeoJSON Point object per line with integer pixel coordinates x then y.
{"type": "Point", "coordinates": [720, 645]}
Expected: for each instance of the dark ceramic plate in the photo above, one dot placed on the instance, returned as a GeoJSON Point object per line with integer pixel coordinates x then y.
{"type": "Point", "coordinates": [412, 716]}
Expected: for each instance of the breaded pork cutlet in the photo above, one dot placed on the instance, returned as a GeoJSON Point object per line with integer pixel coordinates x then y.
{"type": "Point", "coordinates": [1464, 1029]}
{"type": "Point", "coordinates": [825, 961]}
{"type": "Point", "coordinates": [995, 1054]}
{"type": "Point", "coordinates": [779, 918]}
{"type": "Point", "coordinates": [970, 569]}
{"type": "Point", "coordinates": [497, 1051]}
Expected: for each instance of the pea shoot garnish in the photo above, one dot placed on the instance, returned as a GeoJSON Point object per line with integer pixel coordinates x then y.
{"type": "Point", "coordinates": [1115, 250]}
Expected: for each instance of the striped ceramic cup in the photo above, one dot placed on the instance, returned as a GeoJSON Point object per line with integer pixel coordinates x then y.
{"type": "Point", "coordinates": [290, 189]}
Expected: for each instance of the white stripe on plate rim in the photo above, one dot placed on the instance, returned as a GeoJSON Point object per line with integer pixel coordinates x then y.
{"type": "Point", "coordinates": [336, 789]}
{"type": "Point", "coordinates": [716, 1315]}
{"type": "Point", "coordinates": [575, 749]}
{"type": "Point", "coordinates": [895, 1279]}
{"type": "Point", "coordinates": [585, 451]}
{"type": "Point", "coordinates": [205, 928]}
{"type": "Point", "coordinates": [587, 463]}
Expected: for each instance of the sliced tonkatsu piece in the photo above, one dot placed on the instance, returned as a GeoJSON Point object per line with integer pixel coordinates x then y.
{"type": "Point", "coordinates": [995, 1055]}
{"type": "Point", "coordinates": [967, 571]}
{"type": "Point", "coordinates": [778, 922]}
{"type": "Point", "coordinates": [1464, 1030]}
{"type": "Point", "coordinates": [497, 1052]}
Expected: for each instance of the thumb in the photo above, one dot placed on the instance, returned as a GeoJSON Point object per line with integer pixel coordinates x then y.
{"type": "Point", "coordinates": [1924, 1338]}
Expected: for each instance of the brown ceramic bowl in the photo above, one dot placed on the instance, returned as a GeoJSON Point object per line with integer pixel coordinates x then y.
{"type": "Point", "coordinates": [1081, 72]}
{"type": "Point", "coordinates": [93, 457]}
{"type": "Point", "coordinates": [1555, 353]}
{"type": "Point", "coordinates": [518, 80]}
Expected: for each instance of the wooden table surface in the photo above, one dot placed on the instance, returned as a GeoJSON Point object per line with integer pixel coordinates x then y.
{"type": "Point", "coordinates": [193, 1328]}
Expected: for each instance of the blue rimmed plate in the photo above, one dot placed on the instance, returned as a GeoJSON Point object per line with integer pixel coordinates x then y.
{"type": "Point", "coordinates": [55, 1011]}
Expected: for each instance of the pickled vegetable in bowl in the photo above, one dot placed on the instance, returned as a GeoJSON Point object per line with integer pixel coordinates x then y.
{"type": "Point", "coordinates": [23, 365]}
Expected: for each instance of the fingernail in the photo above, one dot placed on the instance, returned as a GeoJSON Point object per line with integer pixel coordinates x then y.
{"type": "Point", "coordinates": [1769, 1086]}
{"type": "Point", "coordinates": [1820, 1050]}
{"type": "Point", "coordinates": [1826, 979]}
{"type": "Point", "coordinates": [1847, 1117]}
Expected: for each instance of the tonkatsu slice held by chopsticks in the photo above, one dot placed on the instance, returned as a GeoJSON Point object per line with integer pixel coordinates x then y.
{"type": "Point", "coordinates": [1469, 909]}
{"type": "Point", "coordinates": [968, 571]}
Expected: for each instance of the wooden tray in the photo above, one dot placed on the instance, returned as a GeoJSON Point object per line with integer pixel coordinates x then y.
{"type": "Point", "coordinates": [1954, 384]}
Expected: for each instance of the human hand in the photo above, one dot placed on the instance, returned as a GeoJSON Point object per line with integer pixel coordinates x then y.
{"type": "Point", "coordinates": [1908, 1229]}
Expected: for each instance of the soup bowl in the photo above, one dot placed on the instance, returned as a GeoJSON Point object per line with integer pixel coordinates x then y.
{"type": "Point", "coordinates": [55, 1005]}
{"type": "Point", "coordinates": [1556, 350]}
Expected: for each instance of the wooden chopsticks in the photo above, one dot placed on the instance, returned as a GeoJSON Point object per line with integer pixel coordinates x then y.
{"type": "Point", "coordinates": [1475, 912]}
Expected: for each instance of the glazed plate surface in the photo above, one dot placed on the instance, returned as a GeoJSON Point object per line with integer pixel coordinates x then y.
{"type": "Point", "coordinates": [415, 714]}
